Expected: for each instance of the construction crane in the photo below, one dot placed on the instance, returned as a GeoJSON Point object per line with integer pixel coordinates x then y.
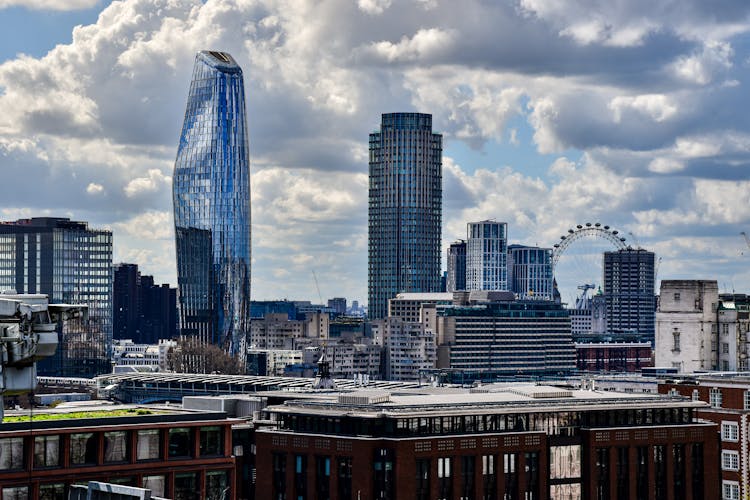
{"type": "Point", "coordinates": [637, 243]}
{"type": "Point", "coordinates": [747, 240]}
{"type": "Point", "coordinates": [581, 301]}
{"type": "Point", "coordinates": [315, 277]}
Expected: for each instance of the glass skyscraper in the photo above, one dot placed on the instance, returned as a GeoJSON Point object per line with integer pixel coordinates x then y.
{"type": "Point", "coordinates": [211, 193]}
{"type": "Point", "coordinates": [530, 272]}
{"type": "Point", "coordinates": [405, 209]}
{"type": "Point", "coordinates": [72, 264]}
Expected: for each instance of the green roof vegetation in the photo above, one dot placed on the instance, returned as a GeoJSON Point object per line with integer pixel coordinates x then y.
{"type": "Point", "coordinates": [79, 414]}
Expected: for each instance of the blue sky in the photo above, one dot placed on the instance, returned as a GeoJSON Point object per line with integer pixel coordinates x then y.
{"type": "Point", "coordinates": [553, 114]}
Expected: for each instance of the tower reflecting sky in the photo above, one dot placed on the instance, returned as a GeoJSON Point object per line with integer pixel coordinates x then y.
{"type": "Point", "coordinates": [211, 193]}
{"type": "Point", "coordinates": [405, 209]}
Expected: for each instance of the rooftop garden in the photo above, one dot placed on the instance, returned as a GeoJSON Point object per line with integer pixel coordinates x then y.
{"type": "Point", "coordinates": [37, 417]}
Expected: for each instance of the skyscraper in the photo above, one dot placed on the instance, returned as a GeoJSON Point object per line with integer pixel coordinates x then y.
{"type": "Point", "coordinates": [71, 263]}
{"type": "Point", "coordinates": [487, 255]}
{"type": "Point", "coordinates": [530, 272]}
{"type": "Point", "coordinates": [211, 192]}
{"type": "Point", "coordinates": [629, 292]}
{"type": "Point", "coordinates": [456, 279]}
{"type": "Point", "coordinates": [405, 209]}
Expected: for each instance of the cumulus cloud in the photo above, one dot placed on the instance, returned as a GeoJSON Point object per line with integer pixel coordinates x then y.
{"type": "Point", "coordinates": [49, 4]}
{"type": "Point", "coordinates": [626, 118]}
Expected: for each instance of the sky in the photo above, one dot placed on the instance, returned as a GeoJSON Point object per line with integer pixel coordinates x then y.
{"type": "Point", "coordinates": [631, 113]}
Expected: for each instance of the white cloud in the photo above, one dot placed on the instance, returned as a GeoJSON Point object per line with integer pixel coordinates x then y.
{"type": "Point", "coordinates": [94, 189]}
{"type": "Point", "coordinates": [658, 107]}
{"type": "Point", "coordinates": [49, 4]}
{"type": "Point", "coordinates": [424, 44]}
{"type": "Point", "coordinates": [374, 6]}
{"type": "Point", "coordinates": [154, 181]}
{"type": "Point", "coordinates": [703, 67]}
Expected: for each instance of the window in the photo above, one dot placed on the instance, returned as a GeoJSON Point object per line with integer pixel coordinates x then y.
{"type": "Point", "coordinates": [423, 479]}
{"type": "Point", "coordinates": [489, 476]}
{"type": "Point", "coordinates": [724, 348]}
{"type": "Point", "coordinates": [180, 445]}
{"type": "Point", "coordinates": [83, 449]}
{"type": "Point", "coordinates": [149, 445]}
{"type": "Point", "coordinates": [11, 453]}
{"type": "Point", "coordinates": [116, 446]}
{"type": "Point", "coordinates": [714, 397]}
{"type": "Point", "coordinates": [52, 492]}
{"type": "Point", "coordinates": [729, 431]}
{"type": "Point", "coordinates": [676, 340]}
{"type": "Point", "coordinates": [300, 476]}
{"type": "Point", "coordinates": [216, 485]}
{"type": "Point", "coordinates": [467, 477]}
{"type": "Point", "coordinates": [445, 485]}
{"type": "Point", "coordinates": [279, 476]}
{"type": "Point", "coordinates": [211, 441]}
{"type": "Point", "coordinates": [345, 478]}
{"type": "Point", "coordinates": [16, 493]}
{"type": "Point", "coordinates": [677, 296]}
{"type": "Point", "coordinates": [186, 486]}
{"type": "Point", "coordinates": [46, 451]}
{"type": "Point", "coordinates": [747, 400]}
{"type": "Point", "coordinates": [730, 460]}
{"type": "Point", "coordinates": [725, 328]}
{"type": "Point", "coordinates": [155, 484]}
{"type": "Point", "coordinates": [730, 490]}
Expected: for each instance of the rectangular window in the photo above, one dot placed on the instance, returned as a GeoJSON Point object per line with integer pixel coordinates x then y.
{"type": "Point", "coordinates": [714, 397]}
{"type": "Point", "coordinates": [186, 486]}
{"type": "Point", "coordinates": [423, 479]}
{"type": "Point", "coordinates": [531, 468]}
{"type": "Point", "coordinates": [678, 470]}
{"type": "Point", "coordinates": [697, 466]}
{"type": "Point", "coordinates": [16, 493]}
{"type": "Point", "coordinates": [180, 443]}
{"type": "Point", "coordinates": [345, 478]}
{"type": "Point", "coordinates": [217, 484]}
{"type": "Point", "coordinates": [300, 477]}
{"type": "Point", "coordinates": [642, 486]}
{"type": "Point", "coordinates": [511, 478]}
{"type": "Point", "coordinates": [83, 449]}
{"type": "Point", "coordinates": [468, 464]}
{"type": "Point", "coordinates": [46, 451]}
{"type": "Point", "coordinates": [565, 462]}
{"type": "Point", "coordinates": [623, 473]}
{"type": "Point", "coordinates": [730, 460]}
{"type": "Point", "coordinates": [148, 445]}
{"type": "Point", "coordinates": [52, 492]}
{"type": "Point", "coordinates": [323, 478]}
{"type": "Point", "coordinates": [724, 348]}
{"type": "Point", "coordinates": [489, 477]}
{"type": "Point", "coordinates": [747, 400]}
{"type": "Point", "coordinates": [730, 490]}
{"type": "Point", "coordinates": [279, 476]}
{"type": "Point", "coordinates": [660, 471]}
{"type": "Point", "coordinates": [211, 441]}
{"type": "Point", "coordinates": [155, 484]}
{"type": "Point", "coordinates": [116, 446]}
{"type": "Point", "coordinates": [383, 473]}
{"type": "Point", "coordinates": [602, 473]}
{"type": "Point", "coordinates": [729, 431]}
{"type": "Point", "coordinates": [11, 453]}
{"type": "Point", "coordinates": [445, 484]}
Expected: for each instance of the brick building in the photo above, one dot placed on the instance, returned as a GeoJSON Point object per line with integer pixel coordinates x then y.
{"type": "Point", "coordinates": [613, 356]}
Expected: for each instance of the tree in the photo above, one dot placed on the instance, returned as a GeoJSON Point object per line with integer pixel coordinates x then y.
{"type": "Point", "coordinates": [191, 355]}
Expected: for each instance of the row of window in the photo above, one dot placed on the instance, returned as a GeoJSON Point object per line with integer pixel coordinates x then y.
{"type": "Point", "coordinates": [83, 449]}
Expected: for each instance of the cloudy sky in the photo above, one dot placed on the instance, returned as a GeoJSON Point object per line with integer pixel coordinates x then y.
{"type": "Point", "coordinates": [632, 113]}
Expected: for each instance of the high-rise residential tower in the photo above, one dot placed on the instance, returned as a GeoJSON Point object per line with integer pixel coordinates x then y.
{"type": "Point", "coordinates": [211, 192]}
{"type": "Point", "coordinates": [530, 272]}
{"type": "Point", "coordinates": [405, 209]}
{"type": "Point", "coordinates": [72, 264]}
{"type": "Point", "coordinates": [456, 275]}
{"type": "Point", "coordinates": [629, 292]}
{"type": "Point", "coordinates": [487, 255]}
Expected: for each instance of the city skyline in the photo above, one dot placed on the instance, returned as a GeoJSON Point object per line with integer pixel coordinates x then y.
{"type": "Point", "coordinates": [551, 117]}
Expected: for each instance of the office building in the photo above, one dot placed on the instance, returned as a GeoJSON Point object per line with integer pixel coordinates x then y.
{"type": "Point", "coordinates": [613, 356]}
{"type": "Point", "coordinates": [491, 334]}
{"type": "Point", "coordinates": [497, 441]}
{"type": "Point", "coordinates": [338, 305]}
{"type": "Point", "coordinates": [530, 272]}
{"type": "Point", "coordinates": [72, 264]}
{"type": "Point", "coordinates": [143, 311]}
{"type": "Point", "coordinates": [687, 336]}
{"type": "Point", "coordinates": [408, 348]}
{"type": "Point", "coordinates": [456, 263]}
{"type": "Point", "coordinates": [629, 292]}
{"type": "Point", "coordinates": [211, 192]}
{"type": "Point", "coordinates": [405, 209]}
{"type": "Point", "coordinates": [408, 306]}
{"type": "Point", "coordinates": [487, 255]}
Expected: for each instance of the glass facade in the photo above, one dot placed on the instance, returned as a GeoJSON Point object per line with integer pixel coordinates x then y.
{"type": "Point", "coordinates": [487, 256]}
{"type": "Point", "coordinates": [211, 193]}
{"type": "Point", "coordinates": [405, 209]}
{"type": "Point", "coordinates": [456, 278]}
{"type": "Point", "coordinates": [72, 264]}
{"type": "Point", "coordinates": [530, 272]}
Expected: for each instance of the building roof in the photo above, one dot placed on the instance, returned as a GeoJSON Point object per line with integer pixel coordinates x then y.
{"type": "Point", "coordinates": [440, 296]}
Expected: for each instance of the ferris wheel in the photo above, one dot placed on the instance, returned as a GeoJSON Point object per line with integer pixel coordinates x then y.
{"type": "Point", "coordinates": [583, 247]}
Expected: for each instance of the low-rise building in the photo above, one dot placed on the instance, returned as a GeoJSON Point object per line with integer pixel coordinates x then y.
{"type": "Point", "coordinates": [613, 356]}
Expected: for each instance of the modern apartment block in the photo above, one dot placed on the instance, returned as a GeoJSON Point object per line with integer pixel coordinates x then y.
{"type": "Point", "coordinates": [211, 193]}
{"type": "Point", "coordinates": [405, 209]}
{"type": "Point", "coordinates": [456, 263]}
{"type": "Point", "coordinates": [71, 263]}
{"type": "Point", "coordinates": [491, 334]}
{"type": "Point", "coordinates": [530, 272]}
{"type": "Point", "coordinates": [277, 331]}
{"type": "Point", "coordinates": [687, 336]}
{"type": "Point", "coordinates": [513, 442]}
{"type": "Point", "coordinates": [487, 255]}
{"type": "Point", "coordinates": [408, 306]}
{"type": "Point", "coordinates": [408, 348]}
{"type": "Point", "coordinates": [629, 292]}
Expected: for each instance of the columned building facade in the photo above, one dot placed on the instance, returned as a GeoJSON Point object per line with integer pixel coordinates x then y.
{"type": "Point", "coordinates": [405, 209]}
{"type": "Point", "coordinates": [211, 191]}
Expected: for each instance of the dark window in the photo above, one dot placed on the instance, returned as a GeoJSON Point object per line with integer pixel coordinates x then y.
{"type": "Point", "coordinates": [83, 449]}
{"type": "Point", "coordinates": [148, 445]}
{"type": "Point", "coordinates": [660, 471]}
{"type": "Point", "coordinates": [697, 466]}
{"type": "Point", "coordinates": [623, 473]}
{"type": "Point", "coordinates": [345, 478]}
{"type": "Point", "coordinates": [678, 455]}
{"type": "Point", "coordinates": [489, 477]}
{"type": "Point", "coordinates": [186, 486]}
{"type": "Point", "coordinates": [300, 477]}
{"type": "Point", "coordinates": [180, 442]}
{"type": "Point", "coordinates": [279, 476]}
{"type": "Point", "coordinates": [511, 477]}
{"type": "Point", "coordinates": [52, 492]}
{"type": "Point", "coordinates": [642, 472]}
{"type": "Point", "coordinates": [217, 487]}
{"type": "Point", "coordinates": [468, 465]}
{"type": "Point", "coordinates": [383, 469]}
{"type": "Point", "coordinates": [322, 478]}
{"type": "Point", "coordinates": [423, 479]}
{"type": "Point", "coordinates": [532, 475]}
{"type": "Point", "coordinates": [46, 451]}
{"type": "Point", "coordinates": [211, 441]}
{"type": "Point", "coordinates": [602, 473]}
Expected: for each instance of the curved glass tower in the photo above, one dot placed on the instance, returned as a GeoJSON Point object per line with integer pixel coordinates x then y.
{"type": "Point", "coordinates": [211, 194]}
